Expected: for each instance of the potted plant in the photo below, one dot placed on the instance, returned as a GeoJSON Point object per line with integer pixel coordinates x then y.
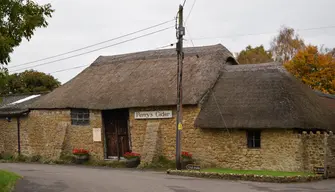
{"type": "Point", "coordinates": [132, 159]}
{"type": "Point", "coordinates": [81, 155]}
{"type": "Point", "coordinates": [186, 158]}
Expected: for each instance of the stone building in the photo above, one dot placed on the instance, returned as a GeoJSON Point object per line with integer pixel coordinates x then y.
{"type": "Point", "coordinates": [13, 109]}
{"type": "Point", "coordinates": [234, 116]}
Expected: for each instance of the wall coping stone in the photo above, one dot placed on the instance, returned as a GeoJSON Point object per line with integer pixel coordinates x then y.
{"type": "Point", "coordinates": [246, 177]}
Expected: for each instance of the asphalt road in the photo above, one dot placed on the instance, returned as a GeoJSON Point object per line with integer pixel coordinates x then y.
{"type": "Point", "coordinates": [57, 178]}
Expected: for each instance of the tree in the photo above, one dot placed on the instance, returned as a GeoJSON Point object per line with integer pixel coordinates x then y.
{"type": "Point", "coordinates": [286, 45]}
{"type": "Point", "coordinates": [314, 68]}
{"type": "Point", "coordinates": [28, 82]}
{"type": "Point", "coordinates": [254, 55]}
{"type": "Point", "coordinates": [3, 79]}
{"type": "Point", "coordinates": [332, 52]}
{"type": "Point", "coordinates": [18, 20]}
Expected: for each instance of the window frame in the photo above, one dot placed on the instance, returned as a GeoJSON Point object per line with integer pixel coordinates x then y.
{"type": "Point", "coordinates": [254, 139]}
{"type": "Point", "coordinates": [80, 117]}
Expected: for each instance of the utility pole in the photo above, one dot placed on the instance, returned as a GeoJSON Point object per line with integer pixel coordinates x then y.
{"type": "Point", "coordinates": [180, 56]}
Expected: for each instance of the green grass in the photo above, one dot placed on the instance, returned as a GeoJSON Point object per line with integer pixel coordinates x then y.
{"type": "Point", "coordinates": [7, 180]}
{"type": "Point", "coordinates": [256, 172]}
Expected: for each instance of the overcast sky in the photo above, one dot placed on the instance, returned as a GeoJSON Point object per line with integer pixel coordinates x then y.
{"type": "Point", "coordinates": [78, 23]}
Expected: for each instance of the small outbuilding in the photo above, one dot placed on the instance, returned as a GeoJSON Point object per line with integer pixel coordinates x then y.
{"type": "Point", "coordinates": [13, 108]}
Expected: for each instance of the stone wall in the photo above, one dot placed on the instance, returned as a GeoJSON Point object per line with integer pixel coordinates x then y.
{"type": "Point", "coordinates": [281, 149]}
{"type": "Point", "coordinates": [8, 136]}
{"type": "Point", "coordinates": [82, 137]}
{"type": "Point", "coordinates": [43, 132]}
{"type": "Point", "coordinates": [49, 133]}
{"type": "Point", "coordinates": [314, 150]}
{"type": "Point", "coordinates": [166, 133]}
{"type": "Point", "coordinates": [330, 156]}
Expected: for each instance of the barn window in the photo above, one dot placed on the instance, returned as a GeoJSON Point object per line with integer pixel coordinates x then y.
{"type": "Point", "coordinates": [254, 139]}
{"type": "Point", "coordinates": [80, 117]}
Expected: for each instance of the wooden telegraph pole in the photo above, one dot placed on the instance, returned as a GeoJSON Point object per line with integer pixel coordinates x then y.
{"type": "Point", "coordinates": [180, 56]}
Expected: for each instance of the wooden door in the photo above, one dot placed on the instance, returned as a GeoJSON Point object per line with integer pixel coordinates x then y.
{"type": "Point", "coordinates": [116, 127]}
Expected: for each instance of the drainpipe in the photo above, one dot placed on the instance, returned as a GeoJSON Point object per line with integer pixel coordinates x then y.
{"type": "Point", "coordinates": [18, 135]}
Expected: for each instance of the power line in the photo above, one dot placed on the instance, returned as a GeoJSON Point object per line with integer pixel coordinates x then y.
{"type": "Point", "coordinates": [80, 66]}
{"type": "Point", "coordinates": [62, 70]}
{"type": "Point", "coordinates": [190, 11]}
{"type": "Point", "coordinates": [89, 46]}
{"type": "Point", "coordinates": [151, 33]}
{"type": "Point", "coordinates": [253, 34]}
{"type": "Point", "coordinates": [189, 34]}
{"type": "Point", "coordinates": [315, 28]}
{"type": "Point", "coordinates": [187, 30]}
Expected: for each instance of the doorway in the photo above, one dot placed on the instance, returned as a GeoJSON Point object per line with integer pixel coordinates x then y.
{"type": "Point", "coordinates": [116, 132]}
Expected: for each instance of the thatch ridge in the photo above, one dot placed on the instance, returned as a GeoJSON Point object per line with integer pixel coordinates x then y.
{"type": "Point", "coordinates": [160, 54]}
{"type": "Point", "coordinates": [263, 96]}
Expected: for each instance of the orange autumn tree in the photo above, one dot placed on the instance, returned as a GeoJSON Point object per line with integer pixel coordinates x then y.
{"type": "Point", "coordinates": [314, 68]}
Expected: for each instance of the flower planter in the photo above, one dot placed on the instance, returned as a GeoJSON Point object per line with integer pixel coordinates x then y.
{"type": "Point", "coordinates": [81, 155]}
{"type": "Point", "coordinates": [80, 159]}
{"type": "Point", "coordinates": [133, 162]}
{"type": "Point", "coordinates": [185, 162]}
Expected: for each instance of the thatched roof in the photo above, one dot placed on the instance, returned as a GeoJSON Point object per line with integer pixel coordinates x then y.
{"type": "Point", "coordinates": [263, 96]}
{"type": "Point", "coordinates": [327, 99]}
{"type": "Point", "coordinates": [16, 104]}
{"type": "Point", "coordinates": [140, 80]}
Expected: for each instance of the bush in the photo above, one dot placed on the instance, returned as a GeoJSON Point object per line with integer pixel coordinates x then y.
{"type": "Point", "coordinates": [67, 158]}
{"type": "Point", "coordinates": [160, 162]}
{"type": "Point", "coordinates": [20, 158]}
{"type": "Point", "coordinates": [59, 161]}
{"type": "Point", "coordinates": [36, 158]}
{"type": "Point", "coordinates": [6, 156]}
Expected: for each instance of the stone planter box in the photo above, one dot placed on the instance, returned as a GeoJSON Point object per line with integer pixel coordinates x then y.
{"type": "Point", "coordinates": [80, 159]}
{"type": "Point", "coordinates": [132, 163]}
{"type": "Point", "coordinates": [247, 177]}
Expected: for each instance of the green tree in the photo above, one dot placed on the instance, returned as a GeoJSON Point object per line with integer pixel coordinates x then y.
{"type": "Point", "coordinates": [254, 55]}
{"type": "Point", "coordinates": [29, 82]}
{"type": "Point", "coordinates": [286, 44]}
{"type": "Point", "coordinates": [3, 79]}
{"type": "Point", "coordinates": [18, 20]}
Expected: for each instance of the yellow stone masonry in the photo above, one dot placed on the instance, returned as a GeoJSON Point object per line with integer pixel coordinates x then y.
{"type": "Point", "coordinates": [280, 149]}
{"type": "Point", "coordinates": [49, 132]}
{"type": "Point", "coordinates": [8, 136]}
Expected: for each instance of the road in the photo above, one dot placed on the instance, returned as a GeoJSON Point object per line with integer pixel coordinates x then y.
{"type": "Point", "coordinates": [60, 178]}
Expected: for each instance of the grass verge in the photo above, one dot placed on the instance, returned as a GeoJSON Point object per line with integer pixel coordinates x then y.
{"type": "Point", "coordinates": [256, 172]}
{"type": "Point", "coordinates": [7, 180]}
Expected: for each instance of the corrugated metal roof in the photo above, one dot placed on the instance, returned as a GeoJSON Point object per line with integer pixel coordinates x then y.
{"type": "Point", "coordinates": [16, 104]}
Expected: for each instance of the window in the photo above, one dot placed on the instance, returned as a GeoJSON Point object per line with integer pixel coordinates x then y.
{"type": "Point", "coordinates": [254, 139]}
{"type": "Point", "coordinates": [80, 117]}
